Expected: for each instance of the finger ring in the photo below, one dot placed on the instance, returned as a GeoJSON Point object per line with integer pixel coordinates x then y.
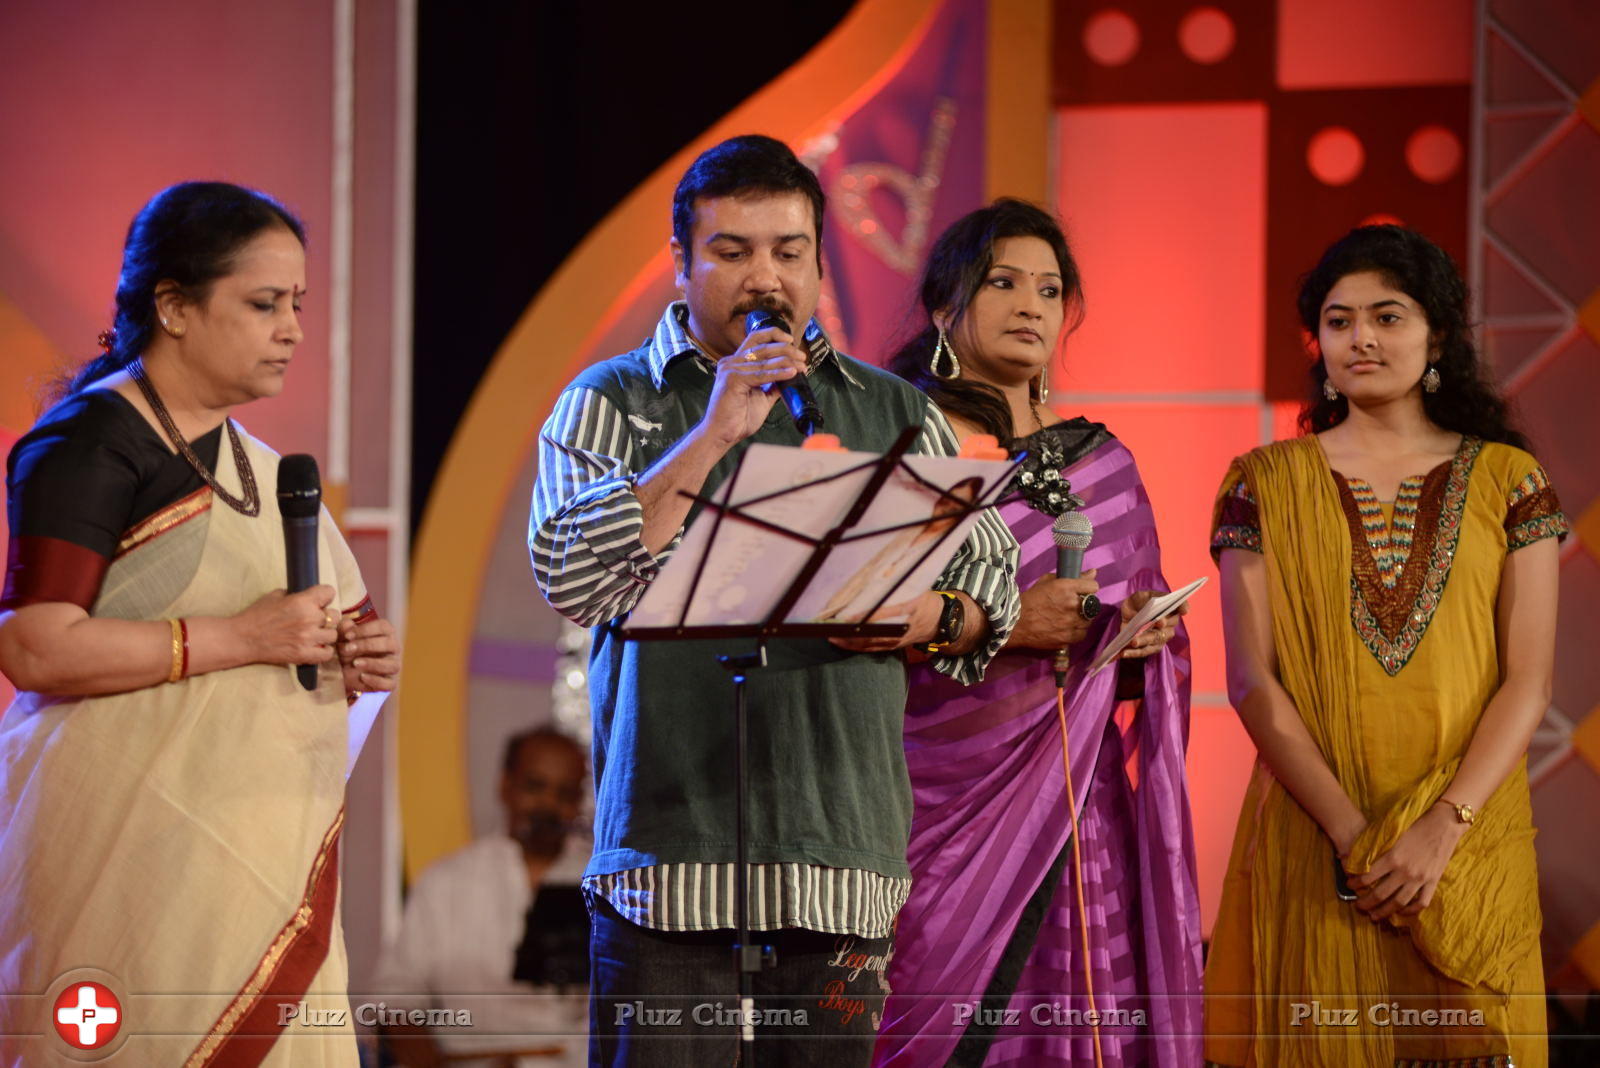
{"type": "Point", "coordinates": [1088, 606]}
{"type": "Point", "coordinates": [329, 619]}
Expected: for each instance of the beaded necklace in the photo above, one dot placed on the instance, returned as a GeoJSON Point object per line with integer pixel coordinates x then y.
{"type": "Point", "coordinates": [250, 505]}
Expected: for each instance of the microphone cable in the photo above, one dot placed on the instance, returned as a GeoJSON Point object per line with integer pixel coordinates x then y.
{"type": "Point", "coordinates": [1077, 861]}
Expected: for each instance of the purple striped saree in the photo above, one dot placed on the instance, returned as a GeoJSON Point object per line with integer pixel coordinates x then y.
{"type": "Point", "coordinates": [991, 821]}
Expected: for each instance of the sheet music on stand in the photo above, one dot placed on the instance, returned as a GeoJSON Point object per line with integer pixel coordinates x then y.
{"type": "Point", "coordinates": [807, 543]}
{"type": "Point", "coordinates": [738, 564]}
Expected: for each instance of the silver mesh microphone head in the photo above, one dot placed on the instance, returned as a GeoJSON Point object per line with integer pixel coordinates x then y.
{"type": "Point", "coordinates": [1072, 530]}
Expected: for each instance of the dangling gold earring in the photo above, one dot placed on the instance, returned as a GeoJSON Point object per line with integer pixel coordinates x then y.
{"type": "Point", "coordinates": [1329, 390]}
{"type": "Point", "coordinates": [1044, 384]}
{"type": "Point", "coordinates": [942, 345]}
{"type": "Point", "coordinates": [1430, 381]}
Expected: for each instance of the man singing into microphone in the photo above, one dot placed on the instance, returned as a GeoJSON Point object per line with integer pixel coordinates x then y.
{"type": "Point", "coordinates": [830, 802]}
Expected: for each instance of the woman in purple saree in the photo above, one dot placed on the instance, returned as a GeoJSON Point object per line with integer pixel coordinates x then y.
{"type": "Point", "coordinates": [990, 949]}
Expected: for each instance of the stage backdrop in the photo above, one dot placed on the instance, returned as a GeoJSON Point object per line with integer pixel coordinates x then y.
{"type": "Point", "coordinates": [1206, 154]}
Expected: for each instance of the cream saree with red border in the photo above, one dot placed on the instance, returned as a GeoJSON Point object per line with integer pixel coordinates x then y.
{"type": "Point", "coordinates": [181, 841]}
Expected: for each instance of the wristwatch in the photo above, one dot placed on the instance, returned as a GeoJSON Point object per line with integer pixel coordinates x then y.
{"type": "Point", "coordinates": [1464, 813]}
{"type": "Point", "coordinates": [952, 620]}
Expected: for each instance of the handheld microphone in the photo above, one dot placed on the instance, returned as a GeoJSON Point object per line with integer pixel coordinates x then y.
{"type": "Point", "coordinates": [300, 502]}
{"type": "Point", "coordinates": [796, 391]}
{"type": "Point", "coordinates": [1072, 532]}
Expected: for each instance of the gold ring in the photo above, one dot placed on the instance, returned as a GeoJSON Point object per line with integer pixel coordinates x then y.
{"type": "Point", "coordinates": [329, 620]}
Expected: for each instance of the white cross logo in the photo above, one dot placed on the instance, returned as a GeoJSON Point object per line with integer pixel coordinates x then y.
{"type": "Point", "coordinates": [88, 1016]}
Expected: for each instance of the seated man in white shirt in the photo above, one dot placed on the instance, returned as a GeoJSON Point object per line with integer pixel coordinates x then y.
{"type": "Point", "coordinates": [465, 918]}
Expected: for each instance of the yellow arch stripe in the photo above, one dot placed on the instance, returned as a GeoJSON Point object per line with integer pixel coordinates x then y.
{"type": "Point", "coordinates": [1017, 105]}
{"type": "Point", "coordinates": [30, 362]}
{"type": "Point", "coordinates": [545, 349]}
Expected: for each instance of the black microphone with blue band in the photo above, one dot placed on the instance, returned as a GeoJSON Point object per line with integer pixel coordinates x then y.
{"type": "Point", "coordinates": [796, 391]}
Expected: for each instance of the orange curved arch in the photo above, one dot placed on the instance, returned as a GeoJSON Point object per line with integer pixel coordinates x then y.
{"type": "Point", "coordinates": [548, 345]}
{"type": "Point", "coordinates": [31, 361]}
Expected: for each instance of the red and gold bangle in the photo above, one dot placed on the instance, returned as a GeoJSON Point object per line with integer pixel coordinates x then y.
{"type": "Point", "coordinates": [180, 650]}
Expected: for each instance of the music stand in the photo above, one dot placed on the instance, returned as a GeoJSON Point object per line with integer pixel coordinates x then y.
{"type": "Point", "coordinates": [751, 959]}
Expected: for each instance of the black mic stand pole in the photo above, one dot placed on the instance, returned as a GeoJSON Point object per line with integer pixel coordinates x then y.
{"type": "Point", "coordinates": [752, 959]}
{"type": "Point", "coordinates": [747, 959]}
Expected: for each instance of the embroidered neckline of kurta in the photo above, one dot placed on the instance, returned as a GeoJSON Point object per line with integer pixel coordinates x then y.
{"type": "Point", "coordinates": [1390, 539]}
{"type": "Point", "coordinates": [1398, 569]}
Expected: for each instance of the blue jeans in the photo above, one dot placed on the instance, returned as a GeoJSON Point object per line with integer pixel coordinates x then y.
{"type": "Point", "coordinates": [671, 999]}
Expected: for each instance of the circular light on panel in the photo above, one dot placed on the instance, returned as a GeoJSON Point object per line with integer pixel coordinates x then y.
{"type": "Point", "coordinates": [1206, 35]}
{"type": "Point", "coordinates": [1335, 156]}
{"type": "Point", "coordinates": [1111, 38]}
{"type": "Point", "coordinates": [1434, 154]}
{"type": "Point", "coordinates": [1382, 218]}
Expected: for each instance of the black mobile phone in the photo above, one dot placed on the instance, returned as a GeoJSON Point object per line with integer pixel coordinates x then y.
{"type": "Point", "coordinates": [1341, 882]}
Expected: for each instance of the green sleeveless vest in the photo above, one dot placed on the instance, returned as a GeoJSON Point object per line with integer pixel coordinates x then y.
{"type": "Point", "coordinates": [827, 770]}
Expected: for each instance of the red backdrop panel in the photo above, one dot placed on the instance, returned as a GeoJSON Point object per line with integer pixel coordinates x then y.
{"type": "Point", "coordinates": [1183, 451]}
{"type": "Point", "coordinates": [1328, 44]}
{"type": "Point", "coordinates": [1164, 209]}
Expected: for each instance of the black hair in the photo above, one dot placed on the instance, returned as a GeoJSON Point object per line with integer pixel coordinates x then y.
{"type": "Point", "coordinates": [1465, 402]}
{"type": "Point", "coordinates": [741, 166]}
{"type": "Point", "coordinates": [514, 744]}
{"type": "Point", "coordinates": [189, 234]}
{"type": "Point", "coordinates": [957, 266]}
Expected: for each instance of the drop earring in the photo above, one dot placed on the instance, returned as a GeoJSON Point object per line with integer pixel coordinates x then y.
{"type": "Point", "coordinates": [1430, 381]}
{"type": "Point", "coordinates": [1329, 391]}
{"type": "Point", "coordinates": [942, 345]}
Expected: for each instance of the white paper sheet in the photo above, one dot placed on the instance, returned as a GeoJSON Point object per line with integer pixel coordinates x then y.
{"type": "Point", "coordinates": [360, 717]}
{"type": "Point", "coordinates": [1146, 617]}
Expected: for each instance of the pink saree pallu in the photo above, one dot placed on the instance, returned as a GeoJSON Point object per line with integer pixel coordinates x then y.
{"type": "Point", "coordinates": [989, 952]}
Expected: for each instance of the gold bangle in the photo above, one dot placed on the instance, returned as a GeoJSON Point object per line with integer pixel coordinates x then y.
{"type": "Point", "coordinates": [176, 672]}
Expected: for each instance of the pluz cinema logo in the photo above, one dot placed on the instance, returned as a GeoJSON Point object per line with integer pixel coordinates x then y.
{"type": "Point", "coordinates": [87, 1015]}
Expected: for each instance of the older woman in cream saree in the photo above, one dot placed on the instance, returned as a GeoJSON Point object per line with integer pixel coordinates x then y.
{"type": "Point", "coordinates": [179, 844]}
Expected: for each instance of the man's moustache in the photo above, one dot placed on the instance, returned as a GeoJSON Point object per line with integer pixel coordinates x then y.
{"type": "Point", "coordinates": [777, 307]}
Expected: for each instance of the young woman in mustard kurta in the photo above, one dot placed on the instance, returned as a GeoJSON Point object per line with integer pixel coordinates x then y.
{"type": "Point", "coordinates": [1386, 645]}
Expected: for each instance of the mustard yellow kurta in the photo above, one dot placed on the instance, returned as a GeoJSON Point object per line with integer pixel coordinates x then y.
{"type": "Point", "coordinates": [1384, 629]}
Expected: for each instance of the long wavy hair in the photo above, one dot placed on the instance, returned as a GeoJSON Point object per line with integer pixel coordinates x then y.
{"type": "Point", "coordinates": [1465, 402]}
{"type": "Point", "coordinates": [188, 234]}
{"type": "Point", "coordinates": [957, 266]}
